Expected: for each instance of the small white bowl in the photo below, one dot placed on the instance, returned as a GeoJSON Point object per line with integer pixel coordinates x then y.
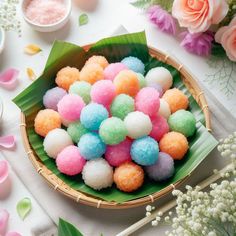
{"type": "Point", "coordinates": [2, 39]}
{"type": "Point", "coordinates": [51, 27]}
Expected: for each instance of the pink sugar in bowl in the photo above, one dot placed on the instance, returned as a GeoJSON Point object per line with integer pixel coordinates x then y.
{"type": "Point", "coordinates": [46, 15]}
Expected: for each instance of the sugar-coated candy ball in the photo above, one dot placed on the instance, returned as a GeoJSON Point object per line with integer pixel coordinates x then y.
{"type": "Point", "coordinates": [144, 151]}
{"type": "Point", "coordinates": [176, 99]}
{"type": "Point", "coordinates": [112, 70]}
{"type": "Point", "coordinates": [160, 75]}
{"type": "Point", "coordinates": [164, 109]}
{"type": "Point", "coordinates": [127, 82]}
{"type": "Point", "coordinates": [137, 124]}
{"type": "Point", "coordinates": [45, 121]}
{"type": "Point", "coordinates": [122, 105]}
{"type": "Point", "coordinates": [134, 64]}
{"type": "Point", "coordinates": [118, 154]}
{"type": "Point", "coordinates": [175, 144]}
{"type": "Point", "coordinates": [91, 73]}
{"type": "Point", "coordinates": [52, 97]}
{"type": "Point", "coordinates": [76, 130]}
{"type": "Point", "coordinates": [82, 89]}
{"type": "Point", "coordinates": [67, 76]}
{"type": "Point", "coordinates": [163, 169]}
{"type": "Point", "coordinates": [159, 127]}
{"type": "Point", "coordinates": [142, 81]}
{"type": "Point", "coordinates": [128, 177]}
{"type": "Point", "coordinates": [66, 122]}
{"type": "Point", "coordinates": [55, 141]}
{"type": "Point", "coordinates": [103, 92]}
{"type": "Point", "coordinates": [158, 88]}
{"type": "Point", "coordinates": [91, 146]}
{"type": "Point", "coordinates": [183, 121]}
{"type": "Point", "coordinates": [70, 106]}
{"type": "Point", "coordinates": [98, 174]}
{"type": "Point", "coordinates": [100, 60]}
{"type": "Point", "coordinates": [69, 161]}
{"type": "Point", "coordinates": [147, 101]}
{"type": "Point", "coordinates": [112, 131]}
{"type": "Point", "coordinates": [93, 115]}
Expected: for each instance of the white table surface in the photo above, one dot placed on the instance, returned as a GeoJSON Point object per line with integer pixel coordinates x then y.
{"type": "Point", "coordinates": [108, 16]}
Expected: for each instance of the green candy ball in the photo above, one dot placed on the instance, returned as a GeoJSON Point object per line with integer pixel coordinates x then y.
{"type": "Point", "coordinates": [82, 89]}
{"type": "Point", "coordinates": [142, 81]}
{"type": "Point", "coordinates": [76, 130]}
{"type": "Point", "coordinates": [183, 122]}
{"type": "Point", "coordinates": [122, 105]}
{"type": "Point", "coordinates": [113, 131]}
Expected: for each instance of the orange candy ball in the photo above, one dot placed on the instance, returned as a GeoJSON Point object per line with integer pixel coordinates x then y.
{"type": "Point", "coordinates": [67, 76]}
{"type": "Point", "coordinates": [128, 177]}
{"type": "Point", "coordinates": [46, 120]}
{"type": "Point", "coordinates": [175, 144]}
{"type": "Point", "coordinates": [91, 73]}
{"type": "Point", "coordinates": [100, 60]}
{"type": "Point", "coordinates": [127, 82]}
{"type": "Point", "coordinates": [176, 99]}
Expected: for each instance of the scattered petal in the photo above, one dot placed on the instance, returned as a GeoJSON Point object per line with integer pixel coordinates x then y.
{"type": "Point", "coordinates": [4, 216]}
{"type": "Point", "coordinates": [7, 141]}
{"type": "Point", "coordinates": [83, 19]}
{"type": "Point", "coordinates": [5, 182]}
{"type": "Point", "coordinates": [32, 49]}
{"type": "Point", "coordinates": [13, 234]}
{"type": "Point", "coordinates": [23, 207]}
{"type": "Point", "coordinates": [31, 74]}
{"type": "Point", "coordinates": [8, 78]}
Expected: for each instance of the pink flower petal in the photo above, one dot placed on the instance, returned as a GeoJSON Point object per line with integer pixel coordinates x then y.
{"type": "Point", "coordinates": [5, 182]}
{"type": "Point", "coordinates": [4, 216]}
{"type": "Point", "coordinates": [13, 234]}
{"type": "Point", "coordinates": [7, 141]}
{"type": "Point", "coordinates": [3, 171]}
{"type": "Point", "coordinates": [8, 78]}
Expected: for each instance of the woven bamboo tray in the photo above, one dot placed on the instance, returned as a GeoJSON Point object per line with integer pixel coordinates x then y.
{"type": "Point", "coordinates": [77, 196]}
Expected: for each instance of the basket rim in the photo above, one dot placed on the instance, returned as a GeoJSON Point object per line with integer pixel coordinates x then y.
{"type": "Point", "coordinates": [83, 198]}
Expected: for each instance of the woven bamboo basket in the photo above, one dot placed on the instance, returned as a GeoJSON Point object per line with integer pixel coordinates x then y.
{"type": "Point", "coordinates": [58, 185]}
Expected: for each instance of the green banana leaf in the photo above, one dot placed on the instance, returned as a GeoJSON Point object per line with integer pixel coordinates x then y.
{"type": "Point", "coordinates": [114, 49]}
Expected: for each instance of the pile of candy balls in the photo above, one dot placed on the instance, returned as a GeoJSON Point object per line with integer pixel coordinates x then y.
{"type": "Point", "coordinates": [112, 124]}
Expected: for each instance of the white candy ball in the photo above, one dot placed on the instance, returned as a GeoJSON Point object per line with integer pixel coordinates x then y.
{"type": "Point", "coordinates": [55, 141]}
{"type": "Point", "coordinates": [161, 76]}
{"type": "Point", "coordinates": [164, 109]}
{"type": "Point", "coordinates": [98, 174]}
{"type": "Point", "coordinates": [138, 124]}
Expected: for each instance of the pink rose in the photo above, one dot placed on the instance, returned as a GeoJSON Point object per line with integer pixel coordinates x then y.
{"type": "Point", "coordinates": [199, 15]}
{"type": "Point", "coordinates": [227, 37]}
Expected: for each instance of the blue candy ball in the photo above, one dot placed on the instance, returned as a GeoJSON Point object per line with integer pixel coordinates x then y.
{"type": "Point", "coordinates": [93, 115]}
{"type": "Point", "coordinates": [144, 151]}
{"type": "Point", "coordinates": [134, 64]}
{"type": "Point", "coordinates": [91, 146]}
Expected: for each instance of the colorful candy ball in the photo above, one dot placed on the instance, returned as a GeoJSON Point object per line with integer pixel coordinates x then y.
{"type": "Point", "coordinates": [144, 151]}
{"type": "Point", "coordinates": [183, 121]}
{"type": "Point", "coordinates": [112, 70]}
{"type": "Point", "coordinates": [142, 81]}
{"type": "Point", "coordinates": [159, 127]}
{"type": "Point", "coordinates": [100, 60]}
{"type": "Point", "coordinates": [128, 177]}
{"type": "Point", "coordinates": [158, 88]}
{"type": "Point", "coordinates": [122, 105]}
{"type": "Point", "coordinates": [176, 99]}
{"type": "Point", "coordinates": [147, 101]}
{"type": "Point", "coordinates": [118, 154]}
{"type": "Point", "coordinates": [82, 89]}
{"type": "Point", "coordinates": [137, 124]}
{"type": "Point", "coordinates": [93, 115]}
{"type": "Point", "coordinates": [76, 130]}
{"type": "Point", "coordinates": [52, 97]}
{"type": "Point", "coordinates": [98, 174]}
{"type": "Point", "coordinates": [161, 76]}
{"type": "Point", "coordinates": [164, 109]}
{"type": "Point", "coordinates": [70, 106]}
{"type": "Point", "coordinates": [163, 169]}
{"type": "Point", "coordinates": [69, 161]}
{"type": "Point", "coordinates": [55, 141]}
{"type": "Point", "coordinates": [134, 64]}
{"type": "Point", "coordinates": [45, 121]}
{"type": "Point", "coordinates": [127, 82]}
{"type": "Point", "coordinates": [67, 76]}
{"type": "Point", "coordinates": [175, 144]}
{"type": "Point", "coordinates": [91, 146]}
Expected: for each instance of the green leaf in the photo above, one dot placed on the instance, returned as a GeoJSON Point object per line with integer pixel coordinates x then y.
{"type": "Point", "coordinates": [218, 50]}
{"type": "Point", "coordinates": [141, 3]}
{"type": "Point", "coordinates": [24, 207]}
{"type": "Point", "coordinates": [165, 4]}
{"type": "Point", "coordinates": [67, 229]}
{"type": "Point", "coordinates": [83, 19]}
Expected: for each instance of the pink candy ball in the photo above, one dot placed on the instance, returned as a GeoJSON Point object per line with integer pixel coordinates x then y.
{"type": "Point", "coordinates": [69, 161]}
{"type": "Point", "coordinates": [103, 92]}
{"type": "Point", "coordinates": [159, 127]}
{"type": "Point", "coordinates": [70, 106]}
{"type": "Point", "coordinates": [147, 101]}
{"type": "Point", "coordinates": [112, 70]}
{"type": "Point", "coordinates": [118, 154]}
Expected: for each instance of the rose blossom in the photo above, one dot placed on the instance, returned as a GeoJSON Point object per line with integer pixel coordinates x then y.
{"type": "Point", "coordinates": [199, 15]}
{"type": "Point", "coordinates": [227, 37]}
{"type": "Point", "coordinates": [162, 19]}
